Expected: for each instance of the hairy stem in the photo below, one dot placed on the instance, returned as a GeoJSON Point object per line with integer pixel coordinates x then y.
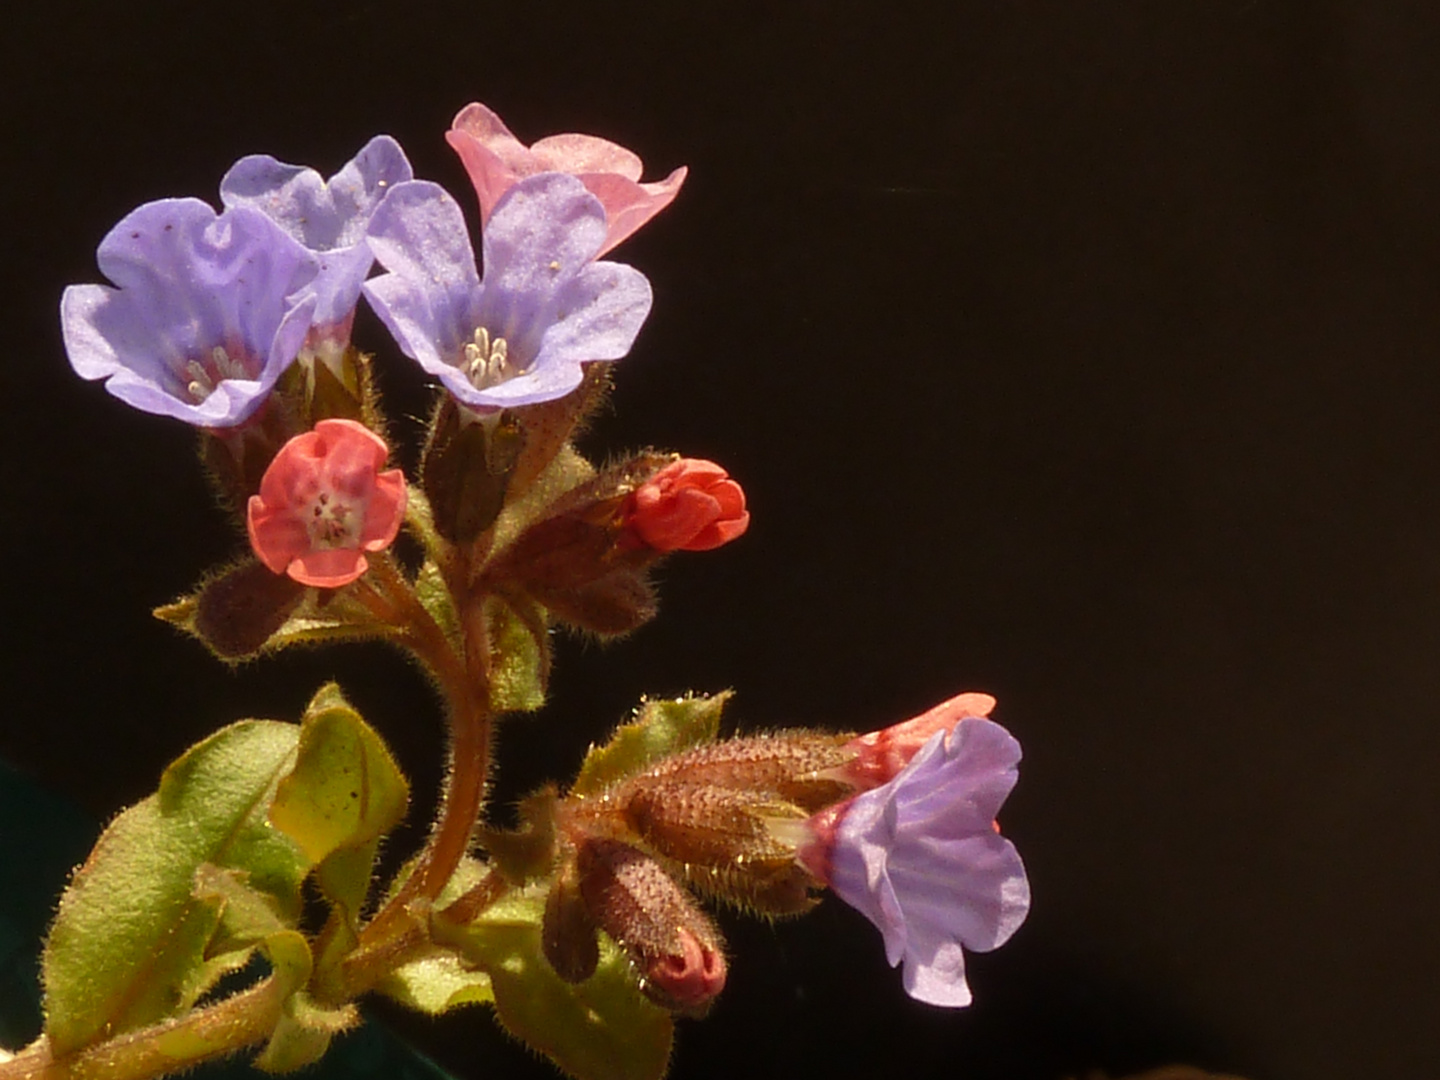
{"type": "Point", "coordinates": [200, 1035]}
{"type": "Point", "coordinates": [464, 681]}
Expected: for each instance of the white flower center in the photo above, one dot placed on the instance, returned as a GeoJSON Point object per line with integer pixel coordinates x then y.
{"type": "Point", "coordinates": [205, 375]}
{"type": "Point", "coordinates": [486, 361]}
{"type": "Point", "coordinates": [333, 522]}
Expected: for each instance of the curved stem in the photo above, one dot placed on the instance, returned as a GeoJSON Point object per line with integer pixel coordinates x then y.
{"type": "Point", "coordinates": [199, 1035]}
{"type": "Point", "coordinates": [464, 683]}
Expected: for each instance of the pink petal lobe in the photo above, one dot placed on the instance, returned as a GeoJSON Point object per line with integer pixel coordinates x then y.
{"type": "Point", "coordinates": [579, 154]}
{"type": "Point", "coordinates": [328, 568]}
{"type": "Point", "coordinates": [277, 536]}
{"type": "Point", "coordinates": [629, 205]}
{"type": "Point", "coordinates": [385, 512]}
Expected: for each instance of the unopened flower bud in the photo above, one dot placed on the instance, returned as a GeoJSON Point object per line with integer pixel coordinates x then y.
{"type": "Point", "coordinates": [880, 755]}
{"type": "Point", "coordinates": [675, 948]}
{"type": "Point", "coordinates": [325, 501]}
{"type": "Point", "coordinates": [690, 505]}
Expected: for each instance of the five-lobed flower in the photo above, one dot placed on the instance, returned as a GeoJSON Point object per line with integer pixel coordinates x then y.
{"type": "Point", "coordinates": [324, 502]}
{"type": "Point", "coordinates": [496, 161]}
{"type": "Point", "coordinates": [519, 335]}
{"type": "Point", "coordinates": [329, 217]}
{"type": "Point", "coordinates": [206, 312]}
{"type": "Point", "coordinates": [921, 857]}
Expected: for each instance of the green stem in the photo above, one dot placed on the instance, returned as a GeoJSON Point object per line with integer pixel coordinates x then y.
{"type": "Point", "coordinates": [169, 1047]}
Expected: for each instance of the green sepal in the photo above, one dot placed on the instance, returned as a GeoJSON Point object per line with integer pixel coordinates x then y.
{"type": "Point", "coordinates": [528, 852]}
{"type": "Point", "coordinates": [599, 1029]}
{"type": "Point", "coordinates": [305, 1029]}
{"type": "Point", "coordinates": [437, 984]}
{"type": "Point", "coordinates": [130, 943]}
{"type": "Point", "coordinates": [337, 397]}
{"type": "Point", "coordinates": [519, 651]}
{"type": "Point", "coordinates": [434, 596]}
{"type": "Point", "coordinates": [659, 730]}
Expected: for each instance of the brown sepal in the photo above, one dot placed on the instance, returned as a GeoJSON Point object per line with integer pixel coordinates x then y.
{"type": "Point", "coordinates": [465, 470]}
{"type": "Point", "coordinates": [567, 932]}
{"type": "Point", "coordinates": [718, 840]}
{"type": "Point", "coordinates": [237, 612]}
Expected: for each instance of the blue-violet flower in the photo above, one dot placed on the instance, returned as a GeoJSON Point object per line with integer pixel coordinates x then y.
{"type": "Point", "coordinates": [328, 217]}
{"type": "Point", "coordinates": [544, 307]}
{"type": "Point", "coordinates": [921, 857]}
{"type": "Point", "coordinates": [206, 315]}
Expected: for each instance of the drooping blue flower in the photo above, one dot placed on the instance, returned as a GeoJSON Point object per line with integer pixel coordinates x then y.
{"type": "Point", "coordinates": [544, 307]}
{"type": "Point", "coordinates": [328, 217]}
{"type": "Point", "coordinates": [920, 857]}
{"type": "Point", "coordinates": [206, 313]}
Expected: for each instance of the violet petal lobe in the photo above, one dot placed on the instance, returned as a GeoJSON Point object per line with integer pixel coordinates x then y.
{"type": "Point", "coordinates": [428, 298]}
{"type": "Point", "coordinates": [206, 312]}
{"type": "Point", "coordinates": [920, 858]}
{"type": "Point", "coordinates": [329, 217]}
{"type": "Point", "coordinates": [542, 293]}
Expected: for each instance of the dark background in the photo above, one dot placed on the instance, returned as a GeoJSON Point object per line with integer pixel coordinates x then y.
{"type": "Point", "coordinates": [1083, 353]}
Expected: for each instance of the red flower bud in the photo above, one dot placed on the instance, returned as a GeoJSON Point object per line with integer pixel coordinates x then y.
{"type": "Point", "coordinates": [690, 505]}
{"type": "Point", "coordinates": [324, 502]}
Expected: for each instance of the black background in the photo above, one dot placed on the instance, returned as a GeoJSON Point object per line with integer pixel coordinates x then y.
{"type": "Point", "coordinates": [1083, 353]}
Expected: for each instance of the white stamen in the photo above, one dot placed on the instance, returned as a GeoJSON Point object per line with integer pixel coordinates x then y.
{"type": "Point", "coordinates": [205, 375]}
{"type": "Point", "coordinates": [486, 360]}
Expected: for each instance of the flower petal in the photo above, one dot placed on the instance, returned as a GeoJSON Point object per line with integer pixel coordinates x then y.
{"type": "Point", "coordinates": [189, 282]}
{"type": "Point", "coordinates": [629, 205]}
{"type": "Point", "coordinates": [428, 298]}
{"type": "Point", "coordinates": [328, 568]}
{"type": "Point", "coordinates": [328, 217]}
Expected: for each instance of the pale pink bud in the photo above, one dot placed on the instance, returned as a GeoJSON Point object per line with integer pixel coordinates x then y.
{"type": "Point", "coordinates": [324, 502]}
{"type": "Point", "coordinates": [880, 755]}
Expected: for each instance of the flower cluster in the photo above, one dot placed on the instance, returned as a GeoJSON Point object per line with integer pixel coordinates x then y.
{"type": "Point", "coordinates": [238, 321]}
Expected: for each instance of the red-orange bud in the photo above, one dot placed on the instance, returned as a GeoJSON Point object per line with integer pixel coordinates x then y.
{"type": "Point", "coordinates": [690, 505]}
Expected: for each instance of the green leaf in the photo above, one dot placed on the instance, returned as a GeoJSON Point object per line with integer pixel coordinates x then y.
{"type": "Point", "coordinates": [344, 793]}
{"type": "Point", "coordinates": [660, 729]}
{"type": "Point", "coordinates": [600, 1029]}
{"type": "Point", "coordinates": [345, 788]}
{"type": "Point", "coordinates": [518, 658]}
{"type": "Point", "coordinates": [128, 946]}
{"type": "Point", "coordinates": [438, 984]}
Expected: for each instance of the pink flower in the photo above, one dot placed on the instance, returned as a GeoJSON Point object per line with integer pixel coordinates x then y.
{"type": "Point", "coordinates": [690, 505]}
{"type": "Point", "coordinates": [324, 502]}
{"type": "Point", "coordinates": [881, 754]}
{"type": "Point", "coordinates": [496, 160]}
